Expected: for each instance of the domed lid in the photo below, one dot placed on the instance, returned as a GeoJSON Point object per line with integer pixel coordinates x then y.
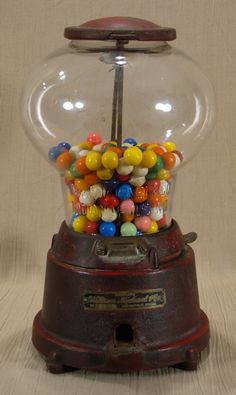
{"type": "Point", "coordinates": [120, 28]}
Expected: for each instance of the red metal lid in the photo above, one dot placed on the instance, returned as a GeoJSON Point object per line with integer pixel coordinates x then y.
{"type": "Point", "coordinates": [120, 28]}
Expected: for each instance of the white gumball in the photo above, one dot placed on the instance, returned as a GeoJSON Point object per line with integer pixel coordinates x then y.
{"type": "Point", "coordinates": [156, 213]}
{"type": "Point", "coordinates": [82, 153]}
{"type": "Point", "coordinates": [86, 198]}
{"type": "Point", "coordinates": [123, 169]}
{"type": "Point", "coordinates": [97, 147]}
{"type": "Point", "coordinates": [164, 187]}
{"type": "Point", "coordinates": [109, 215]}
{"type": "Point", "coordinates": [97, 191]}
{"type": "Point", "coordinates": [127, 145]}
{"type": "Point", "coordinates": [137, 181]}
{"type": "Point", "coordinates": [75, 150]}
{"type": "Point", "coordinates": [177, 160]}
{"type": "Point", "coordinates": [140, 171]}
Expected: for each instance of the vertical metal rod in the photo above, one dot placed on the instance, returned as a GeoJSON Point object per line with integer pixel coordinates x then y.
{"type": "Point", "coordinates": [114, 107]}
{"type": "Point", "coordinates": [117, 105]}
{"type": "Point", "coordinates": [120, 105]}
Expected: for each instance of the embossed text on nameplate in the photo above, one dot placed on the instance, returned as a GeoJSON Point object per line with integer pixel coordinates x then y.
{"type": "Point", "coordinates": [125, 300]}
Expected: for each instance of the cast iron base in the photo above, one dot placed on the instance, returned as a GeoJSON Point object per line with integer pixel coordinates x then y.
{"type": "Point", "coordinates": [115, 311]}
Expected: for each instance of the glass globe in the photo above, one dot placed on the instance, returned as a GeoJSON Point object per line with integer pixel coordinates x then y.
{"type": "Point", "coordinates": [118, 120]}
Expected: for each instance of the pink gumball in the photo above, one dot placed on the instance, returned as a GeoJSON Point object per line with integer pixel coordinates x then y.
{"type": "Point", "coordinates": [143, 223]}
{"type": "Point", "coordinates": [127, 206]}
{"type": "Point", "coordinates": [94, 138]}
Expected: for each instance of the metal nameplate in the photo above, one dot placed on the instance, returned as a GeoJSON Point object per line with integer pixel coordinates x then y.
{"type": "Point", "coordinates": [125, 300]}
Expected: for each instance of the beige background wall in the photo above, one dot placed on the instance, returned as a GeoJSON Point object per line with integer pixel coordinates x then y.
{"type": "Point", "coordinates": [31, 205]}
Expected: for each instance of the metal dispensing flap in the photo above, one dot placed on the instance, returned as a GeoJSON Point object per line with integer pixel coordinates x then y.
{"type": "Point", "coordinates": [120, 28]}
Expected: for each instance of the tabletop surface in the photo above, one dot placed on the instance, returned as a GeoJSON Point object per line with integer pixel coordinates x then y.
{"type": "Point", "coordinates": [32, 208]}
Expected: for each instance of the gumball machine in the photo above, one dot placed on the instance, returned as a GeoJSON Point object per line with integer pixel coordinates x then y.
{"type": "Point", "coordinates": [117, 113]}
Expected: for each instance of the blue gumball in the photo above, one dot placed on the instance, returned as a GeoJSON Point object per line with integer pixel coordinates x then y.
{"type": "Point", "coordinates": [139, 233]}
{"type": "Point", "coordinates": [107, 229]}
{"type": "Point", "coordinates": [124, 191]}
{"type": "Point", "coordinates": [111, 184]}
{"type": "Point", "coordinates": [130, 140]}
{"type": "Point", "coordinates": [64, 145]}
{"type": "Point", "coordinates": [143, 208]}
{"type": "Point", "coordinates": [54, 152]}
{"type": "Point", "coordinates": [74, 215]}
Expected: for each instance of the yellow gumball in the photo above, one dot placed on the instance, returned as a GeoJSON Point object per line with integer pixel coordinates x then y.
{"type": "Point", "coordinates": [110, 160]}
{"type": "Point", "coordinates": [169, 146]}
{"type": "Point", "coordinates": [153, 228]}
{"type": "Point", "coordinates": [93, 213]}
{"type": "Point", "coordinates": [71, 198]}
{"type": "Point", "coordinates": [86, 145]}
{"type": "Point", "coordinates": [149, 159]}
{"type": "Point", "coordinates": [133, 156]}
{"type": "Point", "coordinates": [105, 174]}
{"type": "Point", "coordinates": [93, 160]}
{"type": "Point", "coordinates": [79, 223]}
{"type": "Point", "coordinates": [163, 174]}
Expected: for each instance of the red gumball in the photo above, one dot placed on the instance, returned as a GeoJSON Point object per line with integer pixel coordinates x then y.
{"type": "Point", "coordinates": [162, 222]}
{"type": "Point", "coordinates": [109, 201]}
{"type": "Point", "coordinates": [153, 186]}
{"type": "Point", "coordinates": [123, 178]}
{"type": "Point", "coordinates": [91, 227]}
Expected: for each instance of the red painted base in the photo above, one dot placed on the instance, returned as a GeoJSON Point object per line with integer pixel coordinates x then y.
{"type": "Point", "coordinates": [120, 307]}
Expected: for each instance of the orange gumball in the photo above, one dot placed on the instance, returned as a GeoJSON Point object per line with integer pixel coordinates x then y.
{"type": "Point", "coordinates": [117, 150]}
{"type": "Point", "coordinates": [91, 178]}
{"type": "Point", "coordinates": [81, 185]}
{"type": "Point", "coordinates": [127, 217]}
{"type": "Point", "coordinates": [169, 160]}
{"type": "Point", "coordinates": [154, 199]}
{"type": "Point", "coordinates": [80, 166]}
{"type": "Point", "coordinates": [64, 160]}
{"type": "Point", "coordinates": [140, 194]}
{"type": "Point", "coordinates": [158, 150]}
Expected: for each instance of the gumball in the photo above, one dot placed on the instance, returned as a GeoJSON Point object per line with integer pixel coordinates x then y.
{"type": "Point", "coordinates": [159, 150]}
{"type": "Point", "coordinates": [127, 206]}
{"type": "Point", "coordinates": [68, 177]}
{"type": "Point", "coordinates": [94, 138]}
{"type": "Point", "coordinates": [127, 217]}
{"type": "Point", "coordinates": [153, 186]}
{"type": "Point", "coordinates": [91, 228]}
{"type": "Point", "coordinates": [162, 222]}
{"type": "Point", "coordinates": [124, 191]}
{"type": "Point", "coordinates": [163, 174]}
{"type": "Point", "coordinates": [142, 208]}
{"type": "Point", "coordinates": [93, 213]}
{"type": "Point", "coordinates": [153, 228]}
{"type": "Point", "coordinates": [86, 145]}
{"type": "Point", "coordinates": [140, 171]}
{"type": "Point", "coordinates": [177, 160]}
{"type": "Point", "coordinates": [75, 191]}
{"type": "Point", "coordinates": [143, 223]}
{"type": "Point", "coordinates": [164, 187]}
{"type": "Point", "coordinates": [79, 208]}
{"type": "Point", "coordinates": [54, 152]}
{"type": "Point", "coordinates": [151, 176]}
{"type": "Point", "coordinates": [140, 194]}
{"type": "Point", "coordinates": [133, 156]}
{"type": "Point", "coordinates": [169, 160]}
{"type": "Point", "coordinates": [64, 145]}
{"type": "Point", "coordinates": [74, 215]}
{"type": "Point", "coordinates": [124, 169]}
{"type": "Point", "coordinates": [149, 159]}
{"type": "Point", "coordinates": [97, 147]}
{"type": "Point", "coordinates": [137, 181]}
{"type": "Point", "coordinates": [91, 178]}
{"type": "Point", "coordinates": [73, 170]}
{"type": "Point", "coordinates": [128, 229]}
{"type": "Point", "coordinates": [117, 150]}
{"type": "Point", "coordinates": [80, 166]}
{"type": "Point", "coordinates": [113, 143]}
{"type": "Point", "coordinates": [139, 233]}
{"type": "Point", "coordinates": [126, 145]}
{"type": "Point", "coordinates": [81, 185]}
{"type": "Point", "coordinates": [110, 160]}
{"type": "Point", "coordinates": [169, 145]}
{"type": "Point", "coordinates": [154, 199]}
{"type": "Point", "coordinates": [75, 150]}
{"type": "Point", "coordinates": [71, 198]}
{"type": "Point", "coordinates": [130, 140]}
{"type": "Point", "coordinates": [122, 178]}
{"type": "Point", "coordinates": [97, 191]}
{"type": "Point", "coordinates": [158, 166]}
{"type": "Point", "coordinates": [83, 152]}
{"type": "Point", "coordinates": [107, 229]}
{"type": "Point", "coordinates": [79, 223]}
{"type": "Point", "coordinates": [93, 160]}
{"type": "Point", "coordinates": [156, 213]}
{"type": "Point", "coordinates": [64, 161]}
{"type": "Point", "coordinates": [109, 201]}
{"type": "Point", "coordinates": [111, 184]}
{"type": "Point", "coordinates": [86, 198]}
{"type": "Point", "coordinates": [105, 147]}
{"type": "Point", "coordinates": [105, 174]}
{"type": "Point", "coordinates": [180, 155]}
{"type": "Point", "coordinates": [109, 214]}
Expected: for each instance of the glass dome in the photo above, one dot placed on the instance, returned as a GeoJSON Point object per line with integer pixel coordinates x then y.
{"type": "Point", "coordinates": [144, 99]}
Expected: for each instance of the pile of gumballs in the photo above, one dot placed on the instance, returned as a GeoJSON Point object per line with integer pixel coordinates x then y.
{"type": "Point", "coordinates": [117, 190]}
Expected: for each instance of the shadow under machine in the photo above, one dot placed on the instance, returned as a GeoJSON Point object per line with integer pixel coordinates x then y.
{"type": "Point", "coordinates": [118, 112]}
